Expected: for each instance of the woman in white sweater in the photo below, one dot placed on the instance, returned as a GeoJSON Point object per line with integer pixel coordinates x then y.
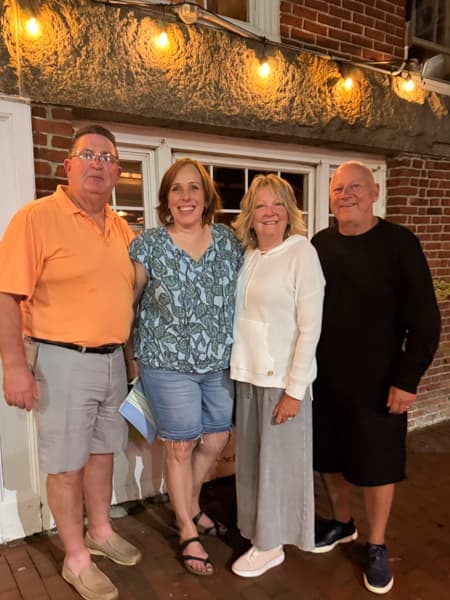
{"type": "Point", "coordinates": [277, 326]}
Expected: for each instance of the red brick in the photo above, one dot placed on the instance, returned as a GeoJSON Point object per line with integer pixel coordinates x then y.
{"type": "Point", "coordinates": [318, 5]}
{"type": "Point", "coordinates": [61, 142]}
{"type": "Point", "coordinates": [39, 139]}
{"type": "Point", "coordinates": [363, 20]}
{"type": "Point", "coordinates": [60, 172]}
{"type": "Point", "coordinates": [353, 5]}
{"type": "Point", "coordinates": [328, 20]}
{"type": "Point", "coordinates": [339, 34]}
{"type": "Point", "coordinates": [52, 127]}
{"type": "Point", "coordinates": [351, 49]}
{"type": "Point", "coordinates": [372, 11]}
{"type": "Point", "coordinates": [300, 34]}
{"type": "Point", "coordinates": [55, 156]}
{"type": "Point", "coordinates": [42, 168]}
{"type": "Point", "coordinates": [285, 32]}
{"type": "Point", "coordinates": [362, 41]}
{"type": "Point", "coordinates": [305, 13]}
{"type": "Point", "coordinates": [337, 11]}
{"type": "Point", "coordinates": [292, 21]}
{"type": "Point", "coordinates": [38, 111]}
{"type": "Point", "coordinates": [328, 43]}
{"type": "Point", "coordinates": [59, 112]}
{"type": "Point", "coordinates": [315, 27]}
{"type": "Point", "coordinates": [286, 7]}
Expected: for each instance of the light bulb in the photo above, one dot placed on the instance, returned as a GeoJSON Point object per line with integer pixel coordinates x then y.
{"type": "Point", "coordinates": [162, 40]}
{"type": "Point", "coordinates": [33, 27]}
{"type": "Point", "coordinates": [348, 83]}
{"type": "Point", "coordinates": [409, 85]}
{"type": "Point", "coordinates": [264, 69]}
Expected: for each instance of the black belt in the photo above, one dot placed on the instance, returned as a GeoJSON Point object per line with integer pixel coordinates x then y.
{"type": "Point", "coordinates": [105, 349]}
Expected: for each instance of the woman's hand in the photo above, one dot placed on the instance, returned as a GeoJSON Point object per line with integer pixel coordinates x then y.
{"type": "Point", "coordinates": [286, 409]}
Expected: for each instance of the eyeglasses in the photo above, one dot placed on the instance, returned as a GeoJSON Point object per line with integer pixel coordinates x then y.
{"type": "Point", "coordinates": [89, 156]}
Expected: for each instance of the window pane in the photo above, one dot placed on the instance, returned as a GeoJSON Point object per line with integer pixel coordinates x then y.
{"type": "Point", "coordinates": [236, 9]}
{"type": "Point", "coordinates": [129, 187]}
{"type": "Point", "coordinates": [128, 198]}
{"type": "Point", "coordinates": [230, 184]}
{"type": "Point", "coordinates": [252, 173]}
{"type": "Point", "coordinates": [135, 219]}
{"type": "Point", "coordinates": [297, 182]}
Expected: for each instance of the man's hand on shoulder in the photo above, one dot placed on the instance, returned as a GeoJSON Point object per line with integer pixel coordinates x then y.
{"type": "Point", "coordinates": [400, 401]}
{"type": "Point", "coordinates": [19, 387]}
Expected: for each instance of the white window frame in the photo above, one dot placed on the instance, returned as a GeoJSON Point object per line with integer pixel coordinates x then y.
{"type": "Point", "coordinates": [164, 146]}
{"type": "Point", "coordinates": [263, 19]}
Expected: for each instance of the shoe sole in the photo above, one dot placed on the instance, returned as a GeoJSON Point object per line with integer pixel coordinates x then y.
{"type": "Point", "coordinates": [270, 565]}
{"type": "Point", "coordinates": [378, 590]}
{"type": "Point", "coordinates": [345, 540]}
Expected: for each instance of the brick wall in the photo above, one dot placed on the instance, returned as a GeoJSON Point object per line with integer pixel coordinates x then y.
{"type": "Point", "coordinates": [52, 132]}
{"type": "Point", "coordinates": [359, 30]}
{"type": "Point", "coordinates": [418, 193]}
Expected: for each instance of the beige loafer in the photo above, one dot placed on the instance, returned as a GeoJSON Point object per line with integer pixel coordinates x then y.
{"type": "Point", "coordinates": [91, 583]}
{"type": "Point", "coordinates": [115, 548]}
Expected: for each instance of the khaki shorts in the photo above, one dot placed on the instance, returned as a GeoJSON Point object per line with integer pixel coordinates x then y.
{"type": "Point", "coordinates": [78, 407]}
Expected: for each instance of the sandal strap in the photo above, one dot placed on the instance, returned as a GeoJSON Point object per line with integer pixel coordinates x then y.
{"type": "Point", "coordinates": [197, 517]}
{"type": "Point", "coordinates": [205, 561]}
{"type": "Point", "coordinates": [186, 543]}
{"type": "Point", "coordinates": [216, 526]}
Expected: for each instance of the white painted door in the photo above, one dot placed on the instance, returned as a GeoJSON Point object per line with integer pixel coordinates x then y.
{"type": "Point", "coordinates": [20, 498]}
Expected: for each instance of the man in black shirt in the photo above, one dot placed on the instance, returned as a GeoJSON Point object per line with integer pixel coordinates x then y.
{"type": "Point", "coordinates": [380, 330]}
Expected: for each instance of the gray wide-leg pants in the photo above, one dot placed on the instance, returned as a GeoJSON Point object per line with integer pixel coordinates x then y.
{"type": "Point", "coordinates": [274, 474]}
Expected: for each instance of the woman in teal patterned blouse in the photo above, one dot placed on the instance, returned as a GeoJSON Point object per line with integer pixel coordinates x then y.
{"type": "Point", "coordinates": [185, 284]}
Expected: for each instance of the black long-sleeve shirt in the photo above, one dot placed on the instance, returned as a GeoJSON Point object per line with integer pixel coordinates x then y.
{"type": "Point", "coordinates": [381, 322]}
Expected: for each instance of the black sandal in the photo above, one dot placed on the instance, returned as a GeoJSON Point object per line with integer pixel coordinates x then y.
{"type": "Point", "coordinates": [217, 528]}
{"type": "Point", "coordinates": [186, 557]}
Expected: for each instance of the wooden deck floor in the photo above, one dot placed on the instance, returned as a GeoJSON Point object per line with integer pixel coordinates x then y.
{"type": "Point", "coordinates": [419, 544]}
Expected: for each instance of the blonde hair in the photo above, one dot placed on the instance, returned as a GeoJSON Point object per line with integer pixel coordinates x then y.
{"type": "Point", "coordinates": [283, 191]}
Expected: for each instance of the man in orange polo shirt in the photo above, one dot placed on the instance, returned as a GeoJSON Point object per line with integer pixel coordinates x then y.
{"type": "Point", "coordinates": [66, 292]}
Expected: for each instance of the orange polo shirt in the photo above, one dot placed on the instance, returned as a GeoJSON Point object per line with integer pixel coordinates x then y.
{"type": "Point", "coordinates": [78, 281]}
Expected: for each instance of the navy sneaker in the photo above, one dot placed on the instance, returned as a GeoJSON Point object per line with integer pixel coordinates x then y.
{"type": "Point", "coordinates": [334, 533]}
{"type": "Point", "coordinates": [377, 573]}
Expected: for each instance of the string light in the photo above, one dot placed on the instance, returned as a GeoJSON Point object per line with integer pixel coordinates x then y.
{"type": "Point", "coordinates": [162, 40]}
{"type": "Point", "coordinates": [409, 85]}
{"type": "Point", "coordinates": [264, 69]}
{"type": "Point", "coordinates": [33, 27]}
{"type": "Point", "coordinates": [348, 83]}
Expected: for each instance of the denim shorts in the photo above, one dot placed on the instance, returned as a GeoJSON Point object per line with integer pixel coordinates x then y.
{"type": "Point", "coordinates": [186, 405]}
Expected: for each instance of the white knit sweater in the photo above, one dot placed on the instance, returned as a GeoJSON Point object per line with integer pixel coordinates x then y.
{"type": "Point", "coordinates": [278, 317]}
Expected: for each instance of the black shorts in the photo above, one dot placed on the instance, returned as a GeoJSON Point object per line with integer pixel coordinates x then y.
{"type": "Point", "coordinates": [356, 436]}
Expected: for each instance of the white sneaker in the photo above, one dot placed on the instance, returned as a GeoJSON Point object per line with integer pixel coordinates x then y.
{"type": "Point", "coordinates": [256, 562]}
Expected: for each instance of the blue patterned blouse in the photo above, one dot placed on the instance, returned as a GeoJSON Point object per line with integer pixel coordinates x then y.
{"type": "Point", "coordinates": [185, 320]}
